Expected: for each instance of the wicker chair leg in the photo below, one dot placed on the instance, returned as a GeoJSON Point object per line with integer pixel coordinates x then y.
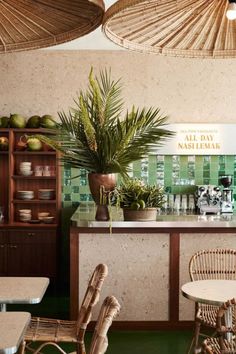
{"type": "Point", "coordinates": [81, 348]}
{"type": "Point", "coordinates": [21, 349]}
{"type": "Point", "coordinates": [193, 347]}
{"type": "Point", "coordinates": [196, 337]}
{"type": "Point", "coordinates": [189, 350]}
{"type": "Point", "coordinates": [37, 351]}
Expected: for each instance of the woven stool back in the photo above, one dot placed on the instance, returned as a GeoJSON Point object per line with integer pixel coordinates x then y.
{"type": "Point", "coordinates": [215, 263]}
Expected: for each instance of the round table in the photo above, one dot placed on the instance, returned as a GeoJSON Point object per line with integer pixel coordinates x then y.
{"type": "Point", "coordinates": [212, 292]}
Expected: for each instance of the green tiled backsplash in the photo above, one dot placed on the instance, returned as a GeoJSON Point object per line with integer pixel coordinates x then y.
{"type": "Point", "coordinates": [177, 174]}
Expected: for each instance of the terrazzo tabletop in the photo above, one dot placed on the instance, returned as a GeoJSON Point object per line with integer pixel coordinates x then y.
{"type": "Point", "coordinates": [12, 329]}
{"type": "Point", "coordinates": [210, 291]}
{"type": "Point", "coordinates": [22, 290]}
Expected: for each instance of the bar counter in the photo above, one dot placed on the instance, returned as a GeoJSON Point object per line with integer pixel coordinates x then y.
{"type": "Point", "coordinates": [162, 221]}
{"type": "Point", "coordinates": [147, 261]}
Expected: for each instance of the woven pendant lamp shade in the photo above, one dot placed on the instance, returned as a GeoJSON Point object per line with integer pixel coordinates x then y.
{"type": "Point", "coordinates": [184, 28]}
{"type": "Point", "coordinates": [32, 24]}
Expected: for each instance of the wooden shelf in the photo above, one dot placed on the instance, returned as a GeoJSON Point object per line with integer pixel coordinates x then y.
{"type": "Point", "coordinates": [43, 178]}
{"type": "Point", "coordinates": [25, 225]}
{"type": "Point", "coordinates": [32, 130]}
{"type": "Point", "coordinates": [28, 130]}
{"type": "Point", "coordinates": [24, 152]}
{"type": "Point", "coordinates": [34, 201]}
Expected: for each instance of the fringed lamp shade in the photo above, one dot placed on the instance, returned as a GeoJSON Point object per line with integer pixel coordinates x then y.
{"type": "Point", "coordinates": [32, 24]}
{"type": "Point", "coordinates": [184, 28]}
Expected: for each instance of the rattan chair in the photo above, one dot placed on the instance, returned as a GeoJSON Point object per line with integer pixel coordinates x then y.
{"type": "Point", "coordinates": [55, 331]}
{"type": "Point", "coordinates": [109, 310]}
{"type": "Point", "coordinates": [210, 264]}
{"type": "Point", "coordinates": [221, 344]}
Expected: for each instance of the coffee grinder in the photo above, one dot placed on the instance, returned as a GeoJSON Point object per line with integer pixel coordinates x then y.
{"type": "Point", "coordinates": [227, 204]}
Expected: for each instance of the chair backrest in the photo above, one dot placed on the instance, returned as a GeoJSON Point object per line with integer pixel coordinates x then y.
{"type": "Point", "coordinates": [109, 310]}
{"type": "Point", "coordinates": [214, 263]}
{"type": "Point", "coordinates": [91, 298]}
{"type": "Point", "coordinates": [225, 326]}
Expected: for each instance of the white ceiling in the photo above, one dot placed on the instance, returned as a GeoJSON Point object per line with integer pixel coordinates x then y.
{"type": "Point", "coordinates": [94, 40]}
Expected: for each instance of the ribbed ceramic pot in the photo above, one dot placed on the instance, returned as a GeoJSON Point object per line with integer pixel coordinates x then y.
{"type": "Point", "coordinates": [98, 180]}
{"type": "Point", "coordinates": [99, 184]}
{"type": "Point", "coordinates": [147, 214]}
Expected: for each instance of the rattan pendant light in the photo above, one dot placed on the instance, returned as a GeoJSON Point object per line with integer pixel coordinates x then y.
{"type": "Point", "coordinates": [184, 28]}
{"type": "Point", "coordinates": [32, 24]}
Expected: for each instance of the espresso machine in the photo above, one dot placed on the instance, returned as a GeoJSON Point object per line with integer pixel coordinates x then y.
{"type": "Point", "coordinates": [227, 203]}
{"type": "Point", "coordinates": [208, 199]}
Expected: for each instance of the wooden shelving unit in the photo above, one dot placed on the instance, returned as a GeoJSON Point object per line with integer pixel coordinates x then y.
{"type": "Point", "coordinates": [19, 240]}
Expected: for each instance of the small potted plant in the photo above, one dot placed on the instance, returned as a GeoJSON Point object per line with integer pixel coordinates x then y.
{"type": "Point", "coordinates": [139, 201]}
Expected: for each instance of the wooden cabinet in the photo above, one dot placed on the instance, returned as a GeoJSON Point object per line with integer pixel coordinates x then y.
{"type": "Point", "coordinates": [31, 252]}
{"type": "Point", "coordinates": [28, 249]}
{"type": "Point", "coordinates": [3, 253]}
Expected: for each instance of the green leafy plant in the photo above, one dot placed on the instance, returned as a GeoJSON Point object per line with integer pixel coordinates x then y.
{"type": "Point", "coordinates": [94, 136]}
{"type": "Point", "coordinates": [134, 194]}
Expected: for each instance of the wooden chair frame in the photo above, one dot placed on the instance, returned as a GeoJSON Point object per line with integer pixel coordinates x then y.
{"type": "Point", "coordinates": [54, 331]}
{"type": "Point", "coordinates": [109, 310]}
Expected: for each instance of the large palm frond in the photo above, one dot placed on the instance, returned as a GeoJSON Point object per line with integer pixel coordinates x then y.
{"type": "Point", "coordinates": [94, 137]}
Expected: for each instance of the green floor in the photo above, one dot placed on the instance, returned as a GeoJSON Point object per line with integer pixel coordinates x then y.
{"type": "Point", "coordinates": [160, 342]}
{"type": "Point", "coordinates": [138, 342]}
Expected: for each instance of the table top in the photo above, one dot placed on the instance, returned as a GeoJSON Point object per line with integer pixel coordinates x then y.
{"type": "Point", "coordinates": [12, 328]}
{"type": "Point", "coordinates": [213, 292]}
{"type": "Point", "coordinates": [22, 290]}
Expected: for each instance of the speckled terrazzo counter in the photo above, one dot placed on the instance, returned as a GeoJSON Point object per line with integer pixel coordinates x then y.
{"type": "Point", "coordinates": [147, 261]}
{"type": "Point", "coordinates": [84, 217]}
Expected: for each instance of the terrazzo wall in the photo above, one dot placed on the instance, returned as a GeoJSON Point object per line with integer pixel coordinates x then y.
{"type": "Point", "coordinates": [188, 90]}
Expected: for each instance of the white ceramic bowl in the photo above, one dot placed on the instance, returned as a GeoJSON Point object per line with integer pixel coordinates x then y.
{"type": "Point", "coordinates": [25, 211]}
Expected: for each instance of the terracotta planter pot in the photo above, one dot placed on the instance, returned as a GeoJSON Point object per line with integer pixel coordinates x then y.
{"type": "Point", "coordinates": [98, 180]}
{"type": "Point", "coordinates": [147, 214]}
{"type": "Point", "coordinates": [101, 184]}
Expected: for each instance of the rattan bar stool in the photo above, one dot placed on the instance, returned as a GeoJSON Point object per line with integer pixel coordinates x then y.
{"type": "Point", "coordinates": [220, 344]}
{"type": "Point", "coordinates": [215, 263]}
{"type": "Point", "coordinates": [55, 331]}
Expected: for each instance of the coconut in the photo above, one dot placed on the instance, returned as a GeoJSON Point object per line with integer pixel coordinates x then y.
{"type": "Point", "coordinates": [17, 121]}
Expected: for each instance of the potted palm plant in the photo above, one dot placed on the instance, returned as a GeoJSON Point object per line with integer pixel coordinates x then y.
{"type": "Point", "coordinates": [94, 136]}
{"type": "Point", "coordinates": [139, 201]}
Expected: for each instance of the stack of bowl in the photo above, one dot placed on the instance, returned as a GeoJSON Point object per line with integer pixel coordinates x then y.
{"type": "Point", "coordinates": [46, 194]}
{"type": "Point", "coordinates": [25, 168]}
{"type": "Point", "coordinates": [25, 195]}
{"type": "Point", "coordinates": [25, 215]}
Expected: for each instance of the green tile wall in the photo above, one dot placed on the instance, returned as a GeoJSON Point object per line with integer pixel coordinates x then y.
{"type": "Point", "coordinates": [177, 174]}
